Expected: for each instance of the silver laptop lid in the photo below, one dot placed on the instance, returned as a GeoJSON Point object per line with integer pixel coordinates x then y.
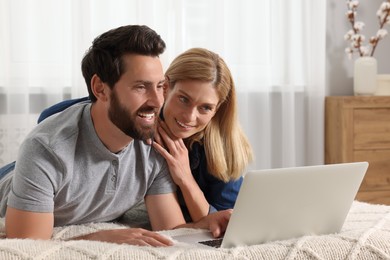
{"type": "Point", "coordinates": [284, 203]}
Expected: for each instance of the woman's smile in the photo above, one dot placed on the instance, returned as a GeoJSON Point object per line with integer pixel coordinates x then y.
{"type": "Point", "coordinates": [183, 125]}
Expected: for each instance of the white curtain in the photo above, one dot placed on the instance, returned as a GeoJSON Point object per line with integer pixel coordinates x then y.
{"type": "Point", "coordinates": [275, 49]}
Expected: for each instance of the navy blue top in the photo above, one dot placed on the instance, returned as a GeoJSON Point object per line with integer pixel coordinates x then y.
{"type": "Point", "coordinates": [59, 107]}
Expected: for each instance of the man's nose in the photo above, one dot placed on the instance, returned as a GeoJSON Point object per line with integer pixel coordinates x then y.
{"type": "Point", "coordinates": [156, 98]}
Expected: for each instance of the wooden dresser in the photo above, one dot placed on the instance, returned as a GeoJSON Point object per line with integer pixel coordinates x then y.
{"type": "Point", "coordinates": [357, 128]}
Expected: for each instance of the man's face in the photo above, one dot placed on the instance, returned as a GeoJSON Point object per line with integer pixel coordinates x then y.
{"type": "Point", "coordinates": [137, 97]}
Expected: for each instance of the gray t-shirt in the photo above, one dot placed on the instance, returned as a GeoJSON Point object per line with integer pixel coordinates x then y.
{"type": "Point", "coordinates": [63, 167]}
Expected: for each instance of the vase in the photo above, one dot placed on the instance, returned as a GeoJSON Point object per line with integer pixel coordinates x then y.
{"type": "Point", "coordinates": [365, 76]}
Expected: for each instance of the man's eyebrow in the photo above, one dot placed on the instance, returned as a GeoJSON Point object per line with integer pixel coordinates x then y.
{"type": "Point", "coordinates": [146, 82]}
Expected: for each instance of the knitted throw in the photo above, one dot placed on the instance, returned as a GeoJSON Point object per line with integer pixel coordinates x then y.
{"type": "Point", "coordinates": [365, 235]}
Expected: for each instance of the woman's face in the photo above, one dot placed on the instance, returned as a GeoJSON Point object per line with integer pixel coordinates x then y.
{"type": "Point", "coordinates": [189, 107]}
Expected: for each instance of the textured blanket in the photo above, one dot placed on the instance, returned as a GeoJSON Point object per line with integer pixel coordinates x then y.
{"type": "Point", "coordinates": [365, 235]}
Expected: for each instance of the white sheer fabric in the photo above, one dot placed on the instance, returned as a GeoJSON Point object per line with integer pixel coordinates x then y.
{"type": "Point", "coordinates": [275, 49]}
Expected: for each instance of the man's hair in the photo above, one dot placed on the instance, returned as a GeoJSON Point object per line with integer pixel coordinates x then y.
{"type": "Point", "coordinates": [105, 57]}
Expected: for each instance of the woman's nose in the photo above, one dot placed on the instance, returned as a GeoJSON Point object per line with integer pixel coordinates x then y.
{"type": "Point", "coordinates": [190, 114]}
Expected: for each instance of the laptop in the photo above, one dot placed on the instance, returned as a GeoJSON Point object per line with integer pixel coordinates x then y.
{"type": "Point", "coordinates": [285, 203]}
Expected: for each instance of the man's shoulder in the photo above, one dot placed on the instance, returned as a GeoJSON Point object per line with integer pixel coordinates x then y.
{"type": "Point", "coordinates": [145, 149]}
{"type": "Point", "coordinates": [59, 128]}
{"type": "Point", "coordinates": [61, 106]}
{"type": "Point", "coordinates": [148, 154]}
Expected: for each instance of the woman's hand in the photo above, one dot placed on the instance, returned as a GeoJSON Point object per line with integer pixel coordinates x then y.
{"type": "Point", "coordinates": [215, 222]}
{"type": "Point", "coordinates": [175, 153]}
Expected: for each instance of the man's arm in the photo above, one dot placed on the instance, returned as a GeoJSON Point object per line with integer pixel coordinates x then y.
{"type": "Point", "coordinates": [164, 211]}
{"type": "Point", "coordinates": [26, 224]}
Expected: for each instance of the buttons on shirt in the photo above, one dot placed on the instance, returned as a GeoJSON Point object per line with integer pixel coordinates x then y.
{"type": "Point", "coordinates": [115, 170]}
{"type": "Point", "coordinates": [113, 176]}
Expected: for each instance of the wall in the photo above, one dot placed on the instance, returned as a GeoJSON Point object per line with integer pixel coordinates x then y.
{"type": "Point", "coordinates": [339, 69]}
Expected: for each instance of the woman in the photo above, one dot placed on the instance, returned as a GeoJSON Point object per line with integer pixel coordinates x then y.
{"type": "Point", "coordinates": [199, 134]}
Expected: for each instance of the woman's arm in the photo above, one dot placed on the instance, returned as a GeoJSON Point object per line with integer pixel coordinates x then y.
{"type": "Point", "coordinates": [176, 155]}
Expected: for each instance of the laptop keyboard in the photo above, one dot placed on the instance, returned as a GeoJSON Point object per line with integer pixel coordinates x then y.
{"type": "Point", "coordinates": [213, 242]}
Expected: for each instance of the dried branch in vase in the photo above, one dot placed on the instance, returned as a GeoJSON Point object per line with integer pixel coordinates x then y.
{"type": "Point", "coordinates": [355, 36]}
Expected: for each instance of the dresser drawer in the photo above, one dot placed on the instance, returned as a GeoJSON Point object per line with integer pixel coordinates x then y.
{"type": "Point", "coordinates": [357, 128]}
{"type": "Point", "coordinates": [371, 128]}
{"type": "Point", "coordinates": [378, 173]}
{"type": "Point", "coordinates": [376, 197]}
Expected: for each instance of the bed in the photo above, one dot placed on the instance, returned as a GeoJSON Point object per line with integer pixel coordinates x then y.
{"type": "Point", "coordinates": [365, 235]}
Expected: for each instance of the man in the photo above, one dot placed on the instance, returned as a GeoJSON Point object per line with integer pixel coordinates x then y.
{"type": "Point", "coordinates": [90, 163]}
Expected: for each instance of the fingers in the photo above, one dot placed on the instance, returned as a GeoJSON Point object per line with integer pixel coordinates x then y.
{"type": "Point", "coordinates": [142, 237]}
{"type": "Point", "coordinates": [160, 149]}
{"type": "Point", "coordinates": [131, 236]}
{"type": "Point", "coordinates": [168, 139]}
{"type": "Point", "coordinates": [174, 145]}
{"type": "Point", "coordinates": [219, 222]}
{"type": "Point", "coordinates": [157, 138]}
{"type": "Point", "coordinates": [154, 239]}
{"type": "Point", "coordinates": [215, 229]}
{"type": "Point", "coordinates": [164, 126]}
{"type": "Point", "coordinates": [163, 134]}
{"type": "Point", "coordinates": [170, 144]}
{"type": "Point", "coordinates": [162, 137]}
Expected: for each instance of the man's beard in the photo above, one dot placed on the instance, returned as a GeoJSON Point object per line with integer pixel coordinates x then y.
{"type": "Point", "coordinates": [123, 119]}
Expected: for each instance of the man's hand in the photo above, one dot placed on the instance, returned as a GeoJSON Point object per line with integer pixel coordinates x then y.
{"type": "Point", "coordinates": [215, 222]}
{"type": "Point", "coordinates": [131, 236]}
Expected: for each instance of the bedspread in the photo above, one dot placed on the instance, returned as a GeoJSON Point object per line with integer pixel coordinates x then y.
{"type": "Point", "coordinates": [365, 235]}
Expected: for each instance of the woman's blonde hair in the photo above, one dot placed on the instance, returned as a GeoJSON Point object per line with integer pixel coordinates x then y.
{"type": "Point", "coordinates": [227, 149]}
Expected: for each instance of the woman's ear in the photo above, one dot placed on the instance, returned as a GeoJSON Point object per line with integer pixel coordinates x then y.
{"type": "Point", "coordinates": [98, 88]}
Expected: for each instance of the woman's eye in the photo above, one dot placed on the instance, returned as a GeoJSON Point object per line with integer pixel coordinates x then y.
{"type": "Point", "coordinates": [183, 100]}
{"type": "Point", "coordinates": [207, 108]}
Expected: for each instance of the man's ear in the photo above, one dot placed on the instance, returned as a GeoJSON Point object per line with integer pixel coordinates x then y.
{"type": "Point", "coordinates": [98, 88]}
{"type": "Point", "coordinates": [166, 88]}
